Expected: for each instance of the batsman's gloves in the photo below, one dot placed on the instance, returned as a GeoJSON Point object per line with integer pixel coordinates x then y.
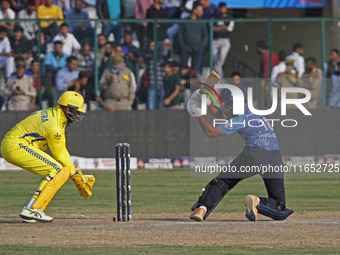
{"type": "Point", "coordinates": [84, 183]}
{"type": "Point", "coordinates": [194, 104]}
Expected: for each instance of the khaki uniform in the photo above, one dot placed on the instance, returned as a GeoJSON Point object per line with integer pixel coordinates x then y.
{"type": "Point", "coordinates": [20, 102]}
{"type": "Point", "coordinates": [120, 93]}
{"type": "Point", "coordinates": [313, 82]}
{"type": "Point", "coordinates": [288, 80]}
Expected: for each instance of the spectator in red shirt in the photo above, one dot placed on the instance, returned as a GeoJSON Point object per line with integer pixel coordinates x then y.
{"type": "Point", "coordinates": [262, 49]}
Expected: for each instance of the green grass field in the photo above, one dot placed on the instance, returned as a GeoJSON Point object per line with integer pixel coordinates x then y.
{"type": "Point", "coordinates": [158, 191]}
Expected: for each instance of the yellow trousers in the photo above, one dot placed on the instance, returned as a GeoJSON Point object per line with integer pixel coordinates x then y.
{"type": "Point", "coordinates": [30, 158]}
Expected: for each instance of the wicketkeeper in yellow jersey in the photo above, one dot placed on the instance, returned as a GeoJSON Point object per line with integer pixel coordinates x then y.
{"type": "Point", "coordinates": [24, 146]}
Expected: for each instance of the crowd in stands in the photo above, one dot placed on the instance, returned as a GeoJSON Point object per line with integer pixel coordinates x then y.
{"type": "Point", "coordinates": [128, 72]}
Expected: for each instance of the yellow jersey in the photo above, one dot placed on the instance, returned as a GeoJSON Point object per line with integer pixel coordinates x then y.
{"type": "Point", "coordinates": [53, 12]}
{"type": "Point", "coordinates": [44, 129]}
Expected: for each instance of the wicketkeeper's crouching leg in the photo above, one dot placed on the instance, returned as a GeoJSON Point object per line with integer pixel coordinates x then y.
{"type": "Point", "coordinates": [49, 187]}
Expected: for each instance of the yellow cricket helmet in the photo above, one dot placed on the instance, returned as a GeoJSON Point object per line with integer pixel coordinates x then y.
{"type": "Point", "coordinates": [72, 99]}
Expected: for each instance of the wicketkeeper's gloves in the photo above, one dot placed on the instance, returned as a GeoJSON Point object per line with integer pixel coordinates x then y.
{"type": "Point", "coordinates": [84, 183]}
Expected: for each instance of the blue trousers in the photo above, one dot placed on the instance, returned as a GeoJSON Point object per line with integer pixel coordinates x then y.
{"type": "Point", "coordinates": [255, 156]}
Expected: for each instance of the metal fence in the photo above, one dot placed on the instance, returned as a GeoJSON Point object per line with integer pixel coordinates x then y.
{"type": "Point", "coordinates": [317, 35]}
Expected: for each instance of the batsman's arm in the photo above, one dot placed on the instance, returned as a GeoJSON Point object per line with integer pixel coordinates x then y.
{"type": "Point", "coordinates": [209, 130]}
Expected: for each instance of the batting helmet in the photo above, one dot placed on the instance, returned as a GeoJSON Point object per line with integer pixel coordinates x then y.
{"type": "Point", "coordinates": [72, 99]}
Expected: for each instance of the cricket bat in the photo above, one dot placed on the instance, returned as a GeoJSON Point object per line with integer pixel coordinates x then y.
{"type": "Point", "coordinates": [210, 82]}
{"type": "Point", "coordinates": [212, 79]}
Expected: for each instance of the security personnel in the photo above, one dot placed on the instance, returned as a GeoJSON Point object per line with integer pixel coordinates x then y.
{"type": "Point", "coordinates": [24, 146]}
{"type": "Point", "coordinates": [117, 85]}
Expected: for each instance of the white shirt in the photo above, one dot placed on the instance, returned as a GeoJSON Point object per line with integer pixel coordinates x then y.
{"type": "Point", "coordinates": [10, 12]}
{"type": "Point", "coordinates": [280, 68]}
{"type": "Point", "coordinates": [70, 43]}
{"type": "Point", "coordinates": [299, 62]}
{"type": "Point", "coordinates": [30, 27]}
{"type": "Point", "coordinates": [5, 46]}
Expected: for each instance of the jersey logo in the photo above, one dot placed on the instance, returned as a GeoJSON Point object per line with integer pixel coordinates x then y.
{"type": "Point", "coordinates": [44, 116]}
{"type": "Point", "coordinates": [57, 136]}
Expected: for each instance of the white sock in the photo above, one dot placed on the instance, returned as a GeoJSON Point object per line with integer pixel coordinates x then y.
{"type": "Point", "coordinates": [204, 208]}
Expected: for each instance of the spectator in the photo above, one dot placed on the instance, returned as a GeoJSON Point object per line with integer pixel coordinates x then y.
{"type": "Point", "coordinates": [34, 70]}
{"type": "Point", "coordinates": [334, 97]}
{"type": "Point", "coordinates": [65, 5]}
{"type": "Point", "coordinates": [152, 86]}
{"type": "Point", "coordinates": [101, 49]}
{"type": "Point", "coordinates": [141, 8]}
{"type": "Point", "coordinates": [33, 46]}
{"type": "Point", "coordinates": [156, 11]}
{"type": "Point", "coordinates": [86, 61]}
{"type": "Point", "coordinates": [175, 66]}
{"type": "Point", "coordinates": [66, 77]}
{"type": "Point", "coordinates": [54, 61]}
{"type": "Point", "coordinates": [20, 61]}
{"type": "Point", "coordinates": [116, 81]}
{"type": "Point", "coordinates": [82, 31]}
{"type": "Point", "coordinates": [262, 49]}
{"type": "Point", "coordinates": [30, 27]}
{"type": "Point", "coordinates": [192, 38]}
{"type": "Point", "coordinates": [133, 55]}
{"type": "Point", "coordinates": [85, 58]}
{"type": "Point", "coordinates": [280, 68]}
{"type": "Point", "coordinates": [49, 11]}
{"type": "Point", "coordinates": [119, 51]}
{"type": "Point", "coordinates": [166, 50]}
{"type": "Point", "coordinates": [173, 8]}
{"type": "Point", "coordinates": [331, 67]}
{"type": "Point", "coordinates": [210, 10]}
{"type": "Point", "coordinates": [289, 78]}
{"type": "Point", "coordinates": [186, 75]}
{"type": "Point", "coordinates": [17, 5]}
{"type": "Point", "coordinates": [312, 80]}
{"type": "Point", "coordinates": [6, 59]}
{"type": "Point", "coordinates": [299, 61]}
{"type": "Point", "coordinates": [106, 60]}
{"type": "Point", "coordinates": [111, 9]}
{"type": "Point", "coordinates": [38, 3]}
{"type": "Point", "coordinates": [235, 79]}
{"type": "Point", "coordinates": [221, 42]}
{"type": "Point", "coordinates": [87, 91]}
{"type": "Point", "coordinates": [6, 13]}
{"type": "Point", "coordinates": [70, 43]}
{"type": "Point", "coordinates": [20, 91]}
{"type": "Point", "coordinates": [172, 88]}
{"type": "Point", "coordinates": [19, 43]}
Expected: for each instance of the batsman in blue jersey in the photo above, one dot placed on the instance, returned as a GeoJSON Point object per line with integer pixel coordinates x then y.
{"type": "Point", "coordinates": [262, 149]}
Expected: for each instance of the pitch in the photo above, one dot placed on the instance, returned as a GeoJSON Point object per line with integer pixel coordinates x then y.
{"type": "Point", "coordinates": [161, 201]}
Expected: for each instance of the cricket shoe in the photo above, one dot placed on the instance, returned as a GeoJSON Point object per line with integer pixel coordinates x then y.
{"type": "Point", "coordinates": [198, 214]}
{"type": "Point", "coordinates": [35, 214]}
{"type": "Point", "coordinates": [252, 202]}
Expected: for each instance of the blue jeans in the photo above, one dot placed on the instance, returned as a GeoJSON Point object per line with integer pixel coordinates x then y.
{"type": "Point", "coordinates": [151, 98]}
{"type": "Point", "coordinates": [115, 29]}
